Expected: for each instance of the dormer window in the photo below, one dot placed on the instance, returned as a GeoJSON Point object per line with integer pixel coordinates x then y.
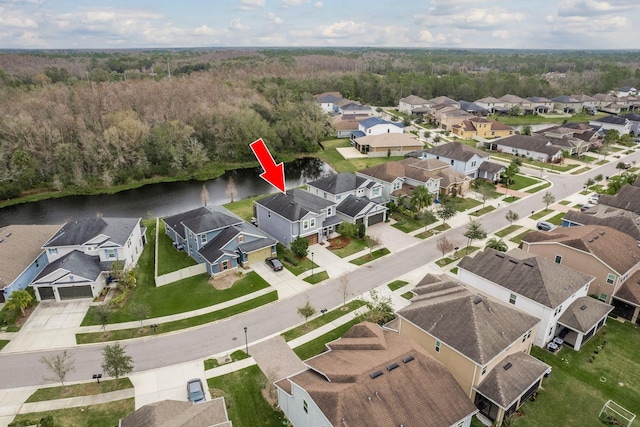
{"type": "Point", "coordinates": [241, 238]}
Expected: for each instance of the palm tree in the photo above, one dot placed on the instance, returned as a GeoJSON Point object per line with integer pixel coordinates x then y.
{"type": "Point", "coordinates": [421, 197]}
{"type": "Point", "coordinates": [497, 244]}
{"type": "Point", "coordinates": [19, 300]}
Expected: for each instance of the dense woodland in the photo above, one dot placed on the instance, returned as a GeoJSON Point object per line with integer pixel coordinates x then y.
{"type": "Point", "coordinates": [79, 121]}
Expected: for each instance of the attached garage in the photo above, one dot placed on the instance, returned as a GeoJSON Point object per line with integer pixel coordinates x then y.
{"type": "Point", "coordinates": [75, 292]}
{"type": "Point", "coordinates": [374, 219]}
{"type": "Point", "coordinates": [313, 239]}
{"type": "Point", "coordinates": [46, 292]}
{"type": "Point", "coordinates": [259, 256]}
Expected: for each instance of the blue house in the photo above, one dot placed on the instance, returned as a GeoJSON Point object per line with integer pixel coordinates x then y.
{"type": "Point", "coordinates": [218, 239]}
{"type": "Point", "coordinates": [21, 255]}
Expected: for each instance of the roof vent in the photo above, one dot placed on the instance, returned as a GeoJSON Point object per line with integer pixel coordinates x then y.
{"type": "Point", "coordinates": [376, 374]}
{"type": "Point", "coordinates": [513, 261]}
{"type": "Point", "coordinates": [1, 240]}
{"type": "Point", "coordinates": [583, 307]}
{"type": "Point", "coordinates": [595, 237]}
{"type": "Point", "coordinates": [393, 366]}
{"type": "Point", "coordinates": [507, 366]}
{"type": "Point", "coordinates": [528, 264]}
{"type": "Point", "coordinates": [500, 255]}
{"type": "Point", "coordinates": [408, 359]}
{"type": "Point", "coordinates": [590, 240]}
{"type": "Point", "coordinates": [477, 299]}
{"type": "Point", "coordinates": [8, 235]}
{"type": "Point", "coordinates": [601, 232]}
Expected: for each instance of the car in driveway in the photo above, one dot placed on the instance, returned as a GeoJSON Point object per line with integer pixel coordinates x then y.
{"type": "Point", "coordinates": [545, 226]}
{"type": "Point", "coordinates": [594, 198]}
{"type": "Point", "coordinates": [195, 391]}
{"type": "Point", "coordinates": [274, 263]}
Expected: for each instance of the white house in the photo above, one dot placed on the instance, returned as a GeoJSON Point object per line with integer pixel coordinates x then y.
{"type": "Point", "coordinates": [408, 104]}
{"type": "Point", "coordinates": [491, 104]}
{"type": "Point", "coordinates": [461, 158]}
{"type": "Point", "coordinates": [621, 124]}
{"type": "Point", "coordinates": [378, 126]}
{"type": "Point", "coordinates": [540, 287]}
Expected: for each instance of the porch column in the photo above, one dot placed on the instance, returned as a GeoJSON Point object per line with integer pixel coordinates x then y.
{"type": "Point", "coordinates": [576, 347]}
{"type": "Point", "coordinates": [636, 312]}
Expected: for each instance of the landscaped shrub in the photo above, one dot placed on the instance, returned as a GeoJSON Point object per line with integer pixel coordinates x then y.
{"type": "Point", "coordinates": [348, 230]}
{"type": "Point", "coordinates": [300, 247]}
{"type": "Point", "coordinates": [120, 298]}
{"type": "Point", "coordinates": [362, 230]}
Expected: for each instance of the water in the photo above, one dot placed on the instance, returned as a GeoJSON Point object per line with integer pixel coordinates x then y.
{"type": "Point", "coordinates": [160, 199]}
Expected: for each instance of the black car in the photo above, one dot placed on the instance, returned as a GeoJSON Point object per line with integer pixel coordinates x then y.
{"type": "Point", "coordinates": [274, 263]}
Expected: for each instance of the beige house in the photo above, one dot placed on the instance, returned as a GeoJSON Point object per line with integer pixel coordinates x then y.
{"type": "Point", "coordinates": [387, 144]}
{"type": "Point", "coordinates": [482, 128]}
{"type": "Point", "coordinates": [374, 378]}
{"type": "Point", "coordinates": [447, 116]}
{"type": "Point", "coordinates": [484, 343]}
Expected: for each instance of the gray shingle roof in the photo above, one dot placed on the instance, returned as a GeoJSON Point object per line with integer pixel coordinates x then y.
{"type": "Point", "coordinates": [212, 251]}
{"type": "Point", "coordinates": [175, 221]}
{"type": "Point", "coordinates": [77, 264]}
{"type": "Point", "coordinates": [475, 326]}
{"type": "Point", "coordinates": [537, 143]}
{"type": "Point", "coordinates": [338, 183]}
{"type": "Point", "coordinates": [614, 120]}
{"type": "Point", "coordinates": [295, 204]}
{"type": "Point", "coordinates": [531, 276]}
{"type": "Point", "coordinates": [491, 167]}
{"type": "Point", "coordinates": [504, 386]}
{"type": "Point", "coordinates": [210, 221]}
{"type": "Point", "coordinates": [584, 313]}
{"type": "Point", "coordinates": [457, 151]}
{"type": "Point", "coordinates": [80, 231]}
{"type": "Point", "coordinates": [353, 206]}
{"type": "Point", "coordinates": [373, 121]}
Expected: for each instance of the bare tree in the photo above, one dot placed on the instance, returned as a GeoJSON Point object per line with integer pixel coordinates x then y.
{"type": "Point", "coordinates": [344, 288]}
{"type": "Point", "coordinates": [60, 364]}
{"type": "Point", "coordinates": [140, 311]}
{"type": "Point", "coordinates": [103, 314]}
{"type": "Point", "coordinates": [444, 245]}
{"type": "Point", "coordinates": [231, 189]}
{"type": "Point", "coordinates": [548, 198]}
{"type": "Point", "coordinates": [372, 242]}
{"type": "Point", "coordinates": [204, 195]}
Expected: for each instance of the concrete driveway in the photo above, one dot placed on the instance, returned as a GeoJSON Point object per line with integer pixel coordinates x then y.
{"type": "Point", "coordinates": [284, 281]}
{"type": "Point", "coordinates": [392, 238]}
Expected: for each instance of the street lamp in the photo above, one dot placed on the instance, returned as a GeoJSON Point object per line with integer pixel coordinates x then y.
{"type": "Point", "coordinates": [311, 263]}
{"type": "Point", "coordinates": [246, 343]}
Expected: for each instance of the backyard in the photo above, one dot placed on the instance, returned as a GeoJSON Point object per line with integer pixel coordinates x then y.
{"type": "Point", "coordinates": [331, 156]}
{"type": "Point", "coordinates": [169, 258]}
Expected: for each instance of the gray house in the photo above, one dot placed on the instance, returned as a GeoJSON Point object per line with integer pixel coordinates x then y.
{"type": "Point", "coordinates": [462, 158]}
{"type": "Point", "coordinates": [536, 147]}
{"type": "Point", "coordinates": [297, 213]}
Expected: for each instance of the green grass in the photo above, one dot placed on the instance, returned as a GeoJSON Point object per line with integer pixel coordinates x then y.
{"type": "Point", "coordinates": [75, 390]}
{"type": "Point", "coordinates": [3, 343]}
{"type": "Point", "coordinates": [565, 202]}
{"type": "Point", "coordinates": [581, 170]}
{"type": "Point", "coordinates": [538, 188]}
{"type": "Point", "coordinates": [317, 277]}
{"type": "Point", "coordinates": [102, 415]}
{"type": "Point", "coordinates": [319, 321]}
{"type": "Point", "coordinates": [521, 181]}
{"type": "Point", "coordinates": [424, 234]}
{"type": "Point", "coordinates": [354, 246]}
{"type": "Point", "coordinates": [540, 214]}
{"type": "Point", "coordinates": [556, 219]}
{"type": "Point", "coordinates": [508, 230]}
{"type": "Point", "coordinates": [317, 346]}
{"type": "Point", "coordinates": [407, 295]}
{"type": "Point", "coordinates": [397, 284]}
{"type": "Point", "coordinates": [588, 159]}
{"type": "Point", "coordinates": [483, 211]}
{"type": "Point", "coordinates": [456, 255]}
{"type": "Point", "coordinates": [244, 208]}
{"type": "Point", "coordinates": [517, 239]}
{"type": "Point", "coordinates": [531, 119]}
{"type": "Point", "coordinates": [233, 357]}
{"type": "Point", "coordinates": [169, 258]}
{"type": "Point", "coordinates": [574, 394]}
{"type": "Point", "coordinates": [442, 227]}
{"type": "Point", "coordinates": [182, 296]}
{"type": "Point", "coordinates": [510, 199]}
{"type": "Point", "coordinates": [548, 167]}
{"type": "Point", "coordinates": [122, 334]}
{"type": "Point", "coordinates": [462, 205]}
{"type": "Point", "coordinates": [406, 224]}
{"type": "Point", "coordinates": [454, 270]}
{"type": "Point", "coordinates": [368, 258]}
{"type": "Point", "coordinates": [242, 391]}
{"type": "Point", "coordinates": [331, 156]}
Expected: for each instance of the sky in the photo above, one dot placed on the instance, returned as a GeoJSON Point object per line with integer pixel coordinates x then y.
{"type": "Point", "coordinates": [508, 24]}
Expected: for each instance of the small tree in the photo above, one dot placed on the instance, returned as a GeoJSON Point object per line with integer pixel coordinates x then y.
{"type": "Point", "coordinates": [372, 242]}
{"type": "Point", "coordinates": [548, 198]}
{"type": "Point", "coordinates": [300, 247]}
{"type": "Point", "coordinates": [589, 182]}
{"type": "Point", "coordinates": [60, 364]}
{"type": "Point", "coordinates": [362, 230]}
{"type": "Point", "coordinates": [103, 315]}
{"type": "Point", "coordinates": [446, 211]}
{"type": "Point", "coordinates": [306, 311]}
{"type": "Point", "coordinates": [598, 177]}
{"type": "Point", "coordinates": [474, 232]}
{"type": "Point", "coordinates": [497, 244]}
{"type": "Point", "coordinates": [19, 300]}
{"type": "Point", "coordinates": [509, 174]}
{"type": "Point", "coordinates": [526, 130]}
{"type": "Point", "coordinates": [344, 288]}
{"type": "Point", "coordinates": [621, 166]}
{"type": "Point", "coordinates": [444, 245]}
{"type": "Point", "coordinates": [204, 195]}
{"type": "Point", "coordinates": [486, 191]}
{"type": "Point", "coordinates": [116, 362]}
{"type": "Point", "coordinates": [231, 191]}
{"type": "Point", "coordinates": [140, 311]}
{"type": "Point", "coordinates": [512, 216]}
{"type": "Point", "coordinates": [347, 229]}
{"type": "Point", "coordinates": [380, 308]}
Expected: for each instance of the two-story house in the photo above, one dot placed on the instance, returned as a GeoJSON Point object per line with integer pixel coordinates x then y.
{"type": "Point", "coordinates": [554, 293]}
{"type": "Point", "coordinates": [540, 105]}
{"type": "Point", "coordinates": [475, 337]}
{"type": "Point", "coordinates": [297, 213]}
{"type": "Point", "coordinates": [81, 253]}
{"type": "Point", "coordinates": [328, 101]}
{"type": "Point", "coordinates": [482, 128]}
{"type": "Point", "coordinates": [359, 200]}
{"type": "Point", "coordinates": [411, 102]}
{"type": "Point", "coordinates": [397, 178]}
{"type": "Point", "coordinates": [374, 378]}
{"type": "Point", "coordinates": [22, 255]}
{"type": "Point", "coordinates": [491, 104]}
{"type": "Point", "coordinates": [461, 158]}
{"type": "Point", "coordinates": [566, 104]}
{"type": "Point", "coordinates": [620, 124]}
{"type": "Point", "coordinates": [377, 126]}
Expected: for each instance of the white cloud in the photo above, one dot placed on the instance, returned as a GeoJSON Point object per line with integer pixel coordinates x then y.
{"type": "Point", "coordinates": [595, 7]}
{"type": "Point", "coordinates": [250, 4]}
{"type": "Point", "coordinates": [426, 36]}
{"type": "Point", "coordinates": [343, 29]}
{"type": "Point", "coordinates": [294, 2]}
{"type": "Point", "coordinates": [236, 24]}
{"type": "Point", "coordinates": [271, 17]}
{"type": "Point", "coordinates": [318, 5]}
{"type": "Point", "coordinates": [15, 19]}
{"type": "Point", "coordinates": [500, 34]}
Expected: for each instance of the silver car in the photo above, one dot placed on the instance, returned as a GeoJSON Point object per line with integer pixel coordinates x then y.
{"type": "Point", "coordinates": [195, 391]}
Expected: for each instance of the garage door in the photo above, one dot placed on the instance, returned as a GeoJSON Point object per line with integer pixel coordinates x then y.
{"type": "Point", "coordinates": [75, 292]}
{"type": "Point", "coordinates": [259, 255]}
{"type": "Point", "coordinates": [313, 239]}
{"type": "Point", "coordinates": [374, 219]}
{"type": "Point", "coordinates": [46, 292]}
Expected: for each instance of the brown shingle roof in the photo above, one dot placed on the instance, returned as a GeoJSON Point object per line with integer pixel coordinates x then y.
{"type": "Point", "coordinates": [457, 151]}
{"type": "Point", "coordinates": [413, 100]}
{"type": "Point", "coordinates": [620, 220]}
{"type": "Point", "coordinates": [616, 249]}
{"type": "Point", "coordinates": [475, 326]}
{"type": "Point", "coordinates": [504, 386]}
{"type": "Point", "coordinates": [531, 276]}
{"type": "Point", "coordinates": [537, 143]}
{"type": "Point", "coordinates": [418, 392]}
{"type": "Point", "coordinates": [390, 171]}
{"type": "Point", "coordinates": [628, 198]}
{"type": "Point", "coordinates": [584, 313]}
{"type": "Point", "coordinates": [630, 289]}
{"type": "Point", "coordinates": [173, 413]}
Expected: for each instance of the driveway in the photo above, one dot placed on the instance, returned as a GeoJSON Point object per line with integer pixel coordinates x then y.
{"type": "Point", "coordinates": [284, 281]}
{"type": "Point", "coordinates": [392, 238]}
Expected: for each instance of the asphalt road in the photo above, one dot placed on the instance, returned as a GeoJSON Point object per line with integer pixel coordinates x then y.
{"type": "Point", "coordinates": [24, 369]}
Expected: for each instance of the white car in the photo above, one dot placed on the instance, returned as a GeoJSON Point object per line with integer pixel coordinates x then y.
{"type": "Point", "coordinates": [593, 199]}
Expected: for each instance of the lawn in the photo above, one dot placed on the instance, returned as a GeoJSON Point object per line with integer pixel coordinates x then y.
{"type": "Point", "coordinates": [483, 211]}
{"type": "Point", "coordinates": [319, 321]}
{"type": "Point", "coordinates": [169, 258]}
{"type": "Point", "coordinates": [370, 257]}
{"type": "Point", "coordinates": [456, 255]}
{"type": "Point", "coordinates": [508, 230]}
{"type": "Point", "coordinates": [424, 234]}
{"type": "Point", "coordinates": [518, 239]}
{"type": "Point", "coordinates": [317, 346]}
{"type": "Point", "coordinates": [122, 334]}
{"type": "Point", "coordinates": [288, 259]}
{"type": "Point", "coordinates": [407, 295]}
{"type": "Point", "coordinates": [182, 296]}
{"type": "Point", "coordinates": [538, 188]}
{"type": "Point", "coordinates": [242, 391]}
{"type": "Point", "coordinates": [442, 227]}
{"type": "Point", "coordinates": [581, 170]}
{"type": "Point", "coordinates": [75, 390]}
{"type": "Point", "coordinates": [331, 156]}
{"type": "Point", "coordinates": [354, 246]}
{"type": "Point", "coordinates": [406, 224]}
{"type": "Point", "coordinates": [531, 119]}
{"type": "Point", "coordinates": [565, 202]}
{"type": "Point", "coordinates": [396, 284]}
{"type": "Point", "coordinates": [510, 199]}
{"type": "Point", "coordinates": [576, 390]}
{"type": "Point", "coordinates": [556, 219]}
{"type": "Point", "coordinates": [244, 208]}
{"type": "Point", "coordinates": [521, 181]}
{"type": "Point", "coordinates": [463, 204]}
{"type": "Point", "coordinates": [317, 277]}
{"type": "Point", "coordinates": [548, 167]}
{"type": "Point", "coordinates": [102, 415]}
{"type": "Point", "coordinates": [3, 343]}
{"type": "Point", "coordinates": [540, 214]}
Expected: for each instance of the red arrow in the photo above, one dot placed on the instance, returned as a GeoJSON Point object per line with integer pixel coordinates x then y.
{"type": "Point", "coordinates": [273, 174]}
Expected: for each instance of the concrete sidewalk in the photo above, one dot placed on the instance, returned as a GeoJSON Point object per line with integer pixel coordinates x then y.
{"type": "Point", "coordinates": [73, 402]}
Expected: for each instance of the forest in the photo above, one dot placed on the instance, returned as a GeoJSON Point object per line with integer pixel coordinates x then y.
{"type": "Point", "coordinates": [81, 121]}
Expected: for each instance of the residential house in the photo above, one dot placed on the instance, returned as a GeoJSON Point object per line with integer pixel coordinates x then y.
{"type": "Point", "coordinates": [566, 104]}
{"type": "Point", "coordinates": [378, 126]}
{"type": "Point", "coordinates": [461, 157]}
{"type": "Point", "coordinates": [354, 110]}
{"type": "Point", "coordinates": [482, 128]}
{"type": "Point", "coordinates": [396, 179]}
{"type": "Point", "coordinates": [359, 200]}
{"type": "Point", "coordinates": [624, 221]}
{"type": "Point", "coordinates": [589, 103]}
{"type": "Point", "coordinates": [618, 123]}
{"type": "Point", "coordinates": [452, 182]}
{"type": "Point", "coordinates": [442, 100]}
{"type": "Point", "coordinates": [476, 337]}
{"type": "Point", "coordinates": [220, 240]}
{"type": "Point", "coordinates": [297, 213]}
{"type": "Point", "coordinates": [552, 292]}
{"type": "Point", "coordinates": [386, 144]}
{"type": "Point", "coordinates": [515, 103]}
{"type": "Point", "coordinates": [609, 255]}
{"type": "Point", "coordinates": [80, 256]}
{"type": "Point", "coordinates": [576, 138]}
{"type": "Point", "coordinates": [610, 104]}
{"type": "Point", "coordinates": [448, 116]}
{"type": "Point", "coordinates": [634, 120]}
{"type": "Point", "coordinates": [627, 299]}
{"type": "Point", "coordinates": [536, 147]}
{"type": "Point", "coordinates": [492, 105]}
{"type": "Point", "coordinates": [625, 91]}
{"type": "Point", "coordinates": [626, 199]}
{"type": "Point", "coordinates": [328, 100]}
{"type": "Point", "coordinates": [374, 378]}
{"type": "Point", "coordinates": [172, 413]}
{"type": "Point", "coordinates": [411, 102]}
{"type": "Point", "coordinates": [22, 255]}
{"type": "Point", "coordinates": [472, 108]}
{"type": "Point", "coordinates": [345, 126]}
{"type": "Point", "coordinates": [540, 105]}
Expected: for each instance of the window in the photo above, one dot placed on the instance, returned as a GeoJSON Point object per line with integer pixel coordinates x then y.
{"type": "Point", "coordinates": [452, 162]}
{"type": "Point", "coordinates": [224, 265]}
{"type": "Point", "coordinates": [53, 251]}
{"type": "Point", "coordinates": [512, 298]}
{"type": "Point", "coordinates": [305, 406]}
{"type": "Point", "coordinates": [484, 370]}
{"type": "Point", "coordinates": [329, 211]}
{"type": "Point", "coordinates": [611, 278]}
{"type": "Point", "coordinates": [110, 253]}
{"type": "Point", "coordinates": [312, 222]}
{"type": "Point", "coordinates": [473, 164]}
{"type": "Point", "coordinates": [438, 343]}
{"type": "Point", "coordinates": [324, 194]}
{"type": "Point", "coordinates": [241, 238]}
{"type": "Point", "coordinates": [603, 297]}
{"type": "Point", "coordinates": [37, 263]}
{"type": "Point", "coordinates": [528, 334]}
{"type": "Point", "coordinates": [376, 192]}
{"type": "Point", "coordinates": [550, 331]}
{"type": "Point", "coordinates": [305, 224]}
{"type": "Point", "coordinates": [558, 259]}
{"type": "Point", "coordinates": [558, 310]}
{"type": "Point", "coordinates": [203, 239]}
{"type": "Point", "coordinates": [338, 197]}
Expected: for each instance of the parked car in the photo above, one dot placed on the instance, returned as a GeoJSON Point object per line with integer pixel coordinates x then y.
{"type": "Point", "coordinates": [195, 391]}
{"type": "Point", "coordinates": [585, 207]}
{"type": "Point", "coordinates": [545, 226]}
{"type": "Point", "coordinates": [594, 198]}
{"type": "Point", "coordinates": [274, 263]}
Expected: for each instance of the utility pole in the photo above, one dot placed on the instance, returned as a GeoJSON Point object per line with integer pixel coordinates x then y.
{"type": "Point", "coordinates": [168, 68]}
